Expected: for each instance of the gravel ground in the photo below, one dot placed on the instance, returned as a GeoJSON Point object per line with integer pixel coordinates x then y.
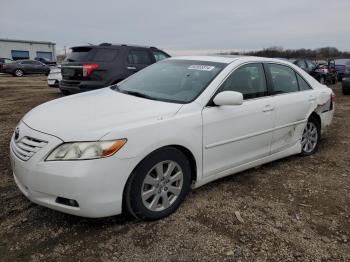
{"type": "Point", "coordinates": [297, 208]}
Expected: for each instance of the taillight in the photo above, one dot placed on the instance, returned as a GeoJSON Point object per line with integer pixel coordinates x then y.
{"type": "Point", "coordinates": [333, 97]}
{"type": "Point", "coordinates": [88, 68]}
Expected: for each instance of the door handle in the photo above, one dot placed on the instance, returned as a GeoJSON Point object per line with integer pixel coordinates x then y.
{"type": "Point", "coordinates": [131, 67]}
{"type": "Point", "coordinates": [268, 108]}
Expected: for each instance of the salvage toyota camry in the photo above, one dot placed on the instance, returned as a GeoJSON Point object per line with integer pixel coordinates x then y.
{"type": "Point", "coordinates": [142, 144]}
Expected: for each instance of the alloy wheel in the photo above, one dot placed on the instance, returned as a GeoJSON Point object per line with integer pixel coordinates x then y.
{"type": "Point", "coordinates": [162, 185]}
{"type": "Point", "coordinates": [19, 72]}
{"type": "Point", "coordinates": [310, 137]}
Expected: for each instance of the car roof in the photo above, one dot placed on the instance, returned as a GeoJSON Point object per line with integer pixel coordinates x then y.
{"type": "Point", "coordinates": [217, 58]}
{"type": "Point", "coordinates": [227, 59]}
{"type": "Point", "coordinates": [109, 45]}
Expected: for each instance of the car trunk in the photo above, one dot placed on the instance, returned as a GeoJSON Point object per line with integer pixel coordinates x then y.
{"type": "Point", "coordinates": [87, 63]}
{"type": "Point", "coordinates": [72, 69]}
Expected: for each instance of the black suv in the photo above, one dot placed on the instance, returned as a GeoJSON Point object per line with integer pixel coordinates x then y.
{"type": "Point", "coordinates": [96, 66]}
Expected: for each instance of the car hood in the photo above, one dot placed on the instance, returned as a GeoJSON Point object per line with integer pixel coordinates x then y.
{"type": "Point", "coordinates": [92, 115]}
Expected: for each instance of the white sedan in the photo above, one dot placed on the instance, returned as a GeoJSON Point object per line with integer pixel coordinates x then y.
{"type": "Point", "coordinates": [55, 76]}
{"type": "Point", "coordinates": [142, 144]}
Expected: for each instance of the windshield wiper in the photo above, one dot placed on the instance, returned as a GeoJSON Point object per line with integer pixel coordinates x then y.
{"type": "Point", "coordinates": [115, 87]}
{"type": "Point", "coordinates": [138, 94]}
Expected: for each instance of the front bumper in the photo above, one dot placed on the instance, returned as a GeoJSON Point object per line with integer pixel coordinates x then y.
{"type": "Point", "coordinates": [52, 82]}
{"type": "Point", "coordinates": [97, 185]}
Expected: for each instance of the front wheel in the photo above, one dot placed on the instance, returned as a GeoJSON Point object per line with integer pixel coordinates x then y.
{"type": "Point", "coordinates": [18, 72]}
{"type": "Point", "coordinates": [311, 137]}
{"type": "Point", "coordinates": [158, 185]}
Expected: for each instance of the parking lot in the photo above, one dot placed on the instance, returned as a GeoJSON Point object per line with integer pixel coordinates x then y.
{"type": "Point", "coordinates": [293, 209]}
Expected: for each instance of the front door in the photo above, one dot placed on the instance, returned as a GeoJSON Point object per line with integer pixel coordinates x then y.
{"type": "Point", "coordinates": [235, 135]}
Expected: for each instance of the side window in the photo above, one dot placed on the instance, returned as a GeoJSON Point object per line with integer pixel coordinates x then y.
{"type": "Point", "coordinates": [140, 57]}
{"type": "Point", "coordinates": [248, 80]}
{"type": "Point", "coordinates": [301, 64]}
{"type": "Point", "coordinates": [284, 79]}
{"type": "Point", "coordinates": [105, 55]}
{"type": "Point", "coordinates": [311, 65]}
{"type": "Point", "coordinates": [158, 56]}
{"type": "Point", "coordinates": [302, 83]}
{"type": "Point", "coordinates": [26, 63]}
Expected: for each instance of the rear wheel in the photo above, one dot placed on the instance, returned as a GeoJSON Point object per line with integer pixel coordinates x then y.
{"type": "Point", "coordinates": [158, 185]}
{"type": "Point", "coordinates": [311, 137]}
{"type": "Point", "coordinates": [346, 91]}
{"type": "Point", "coordinates": [18, 72]}
{"type": "Point", "coordinates": [334, 80]}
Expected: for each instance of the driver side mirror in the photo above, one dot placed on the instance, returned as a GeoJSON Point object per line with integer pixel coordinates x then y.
{"type": "Point", "coordinates": [228, 98]}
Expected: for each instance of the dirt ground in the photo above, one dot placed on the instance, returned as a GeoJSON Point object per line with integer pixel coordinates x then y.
{"type": "Point", "coordinates": [297, 208]}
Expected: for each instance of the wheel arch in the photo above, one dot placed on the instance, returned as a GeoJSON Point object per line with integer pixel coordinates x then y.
{"type": "Point", "coordinates": [188, 154]}
{"type": "Point", "coordinates": [316, 116]}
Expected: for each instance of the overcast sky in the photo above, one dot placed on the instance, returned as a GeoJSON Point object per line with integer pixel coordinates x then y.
{"type": "Point", "coordinates": [181, 24]}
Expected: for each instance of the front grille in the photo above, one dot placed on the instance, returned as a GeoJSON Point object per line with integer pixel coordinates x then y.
{"type": "Point", "coordinates": [26, 147]}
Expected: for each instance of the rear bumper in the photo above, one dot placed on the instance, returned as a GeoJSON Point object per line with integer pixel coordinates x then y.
{"type": "Point", "coordinates": [80, 86]}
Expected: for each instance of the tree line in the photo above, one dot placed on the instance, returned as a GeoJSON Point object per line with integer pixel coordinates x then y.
{"type": "Point", "coordinates": [279, 52]}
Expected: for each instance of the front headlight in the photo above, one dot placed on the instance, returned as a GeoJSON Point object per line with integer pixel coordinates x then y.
{"type": "Point", "coordinates": [86, 150]}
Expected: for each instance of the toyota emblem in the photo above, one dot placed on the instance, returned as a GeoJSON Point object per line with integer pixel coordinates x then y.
{"type": "Point", "coordinates": [17, 133]}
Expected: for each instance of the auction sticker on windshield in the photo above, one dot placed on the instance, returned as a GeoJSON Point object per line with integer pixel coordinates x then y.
{"type": "Point", "coordinates": [201, 67]}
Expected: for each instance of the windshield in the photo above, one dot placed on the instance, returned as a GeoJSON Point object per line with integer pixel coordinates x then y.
{"type": "Point", "coordinates": [179, 81]}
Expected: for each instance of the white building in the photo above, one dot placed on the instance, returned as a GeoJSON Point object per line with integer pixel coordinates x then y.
{"type": "Point", "coordinates": [24, 49]}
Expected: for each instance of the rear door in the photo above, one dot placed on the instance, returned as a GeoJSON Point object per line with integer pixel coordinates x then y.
{"type": "Point", "coordinates": [293, 99]}
{"type": "Point", "coordinates": [138, 59]}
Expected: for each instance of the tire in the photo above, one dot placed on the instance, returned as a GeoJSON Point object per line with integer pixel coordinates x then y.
{"type": "Point", "coordinates": [335, 80]}
{"type": "Point", "coordinates": [65, 92]}
{"type": "Point", "coordinates": [18, 72]}
{"type": "Point", "coordinates": [346, 91]}
{"type": "Point", "coordinates": [311, 137]}
{"type": "Point", "coordinates": [151, 177]}
{"type": "Point", "coordinates": [322, 80]}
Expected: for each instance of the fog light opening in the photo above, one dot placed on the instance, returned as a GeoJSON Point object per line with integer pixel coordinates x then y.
{"type": "Point", "coordinates": [67, 202]}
